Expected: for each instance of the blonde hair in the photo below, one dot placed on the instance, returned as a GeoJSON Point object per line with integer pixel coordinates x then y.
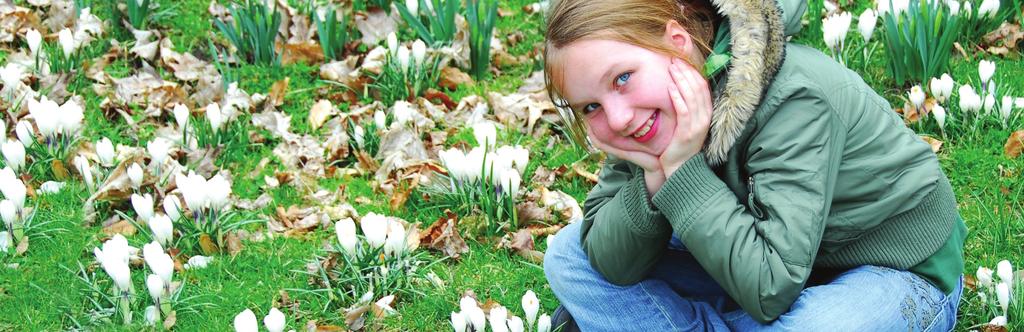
{"type": "Point", "coordinates": [637, 22]}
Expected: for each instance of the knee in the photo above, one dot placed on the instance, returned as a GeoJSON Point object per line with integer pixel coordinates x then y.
{"type": "Point", "coordinates": [564, 254]}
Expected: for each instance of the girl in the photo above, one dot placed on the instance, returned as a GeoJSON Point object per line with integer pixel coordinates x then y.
{"type": "Point", "coordinates": [783, 194]}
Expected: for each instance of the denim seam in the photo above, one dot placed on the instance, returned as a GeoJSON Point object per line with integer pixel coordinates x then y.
{"type": "Point", "coordinates": [659, 306]}
{"type": "Point", "coordinates": [944, 309]}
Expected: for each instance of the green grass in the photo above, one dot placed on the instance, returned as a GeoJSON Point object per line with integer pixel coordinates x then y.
{"type": "Point", "coordinates": [41, 295]}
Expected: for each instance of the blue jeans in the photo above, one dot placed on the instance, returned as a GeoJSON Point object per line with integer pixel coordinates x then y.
{"type": "Point", "coordinates": [680, 296]}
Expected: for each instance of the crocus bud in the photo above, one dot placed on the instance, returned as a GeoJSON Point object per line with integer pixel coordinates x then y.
{"type": "Point", "coordinates": [530, 306]}
{"type": "Point", "coordinates": [105, 151]}
{"type": "Point", "coordinates": [998, 321]}
{"type": "Point", "coordinates": [374, 227]}
{"type": "Point", "coordinates": [135, 175]}
{"type": "Point", "coordinates": [151, 315]}
{"type": "Point", "coordinates": [162, 228]}
{"type": "Point", "coordinates": [218, 192]}
{"type": "Point", "coordinates": [1005, 107]}
{"type": "Point", "coordinates": [246, 322]}
{"type": "Point", "coordinates": [67, 42]}
{"type": "Point", "coordinates": [6, 241]}
{"type": "Point", "coordinates": [71, 116]}
{"type": "Point", "coordinates": [14, 154]}
{"type": "Point", "coordinates": [1003, 295]}
{"type": "Point", "coordinates": [485, 133]}
{"type": "Point", "coordinates": [478, 319]}
{"type": "Point", "coordinates": [274, 320]}
{"type": "Point", "coordinates": [83, 167]}
{"type": "Point", "coordinates": [866, 23]}
{"type": "Point", "coordinates": [214, 115]}
{"type": "Point", "coordinates": [414, 7]}
{"type": "Point", "coordinates": [181, 114]}
{"type": "Point", "coordinates": [197, 262]}
{"type": "Point", "coordinates": [359, 134]}
{"type": "Point", "coordinates": [940, 115]}
{"type": "Point", "coordinates": [1005, 271]}
{"type": "Point", "coordinates": [143, 205]}
{"type": "Point", "coordinates": [395, 243]}
{"type": "Point", "coordinates": [990, 102]}
{"type": "Point", "coordinates": [515, 324]}
{"type": "Point", "coordinates": [985, 70]}
{"type": "Point", "coordinates": [346, 231]}
{"type": "Point", "coordinates": [984, 276]}
{"type": "Point", "coordinates": [954, 7]}
{"type": "Point", "coordinates": [392, 43]}
{"type": "Point", "coordinates": [379, 119]}
{"type": "Point", "coordinates": [9, 213]}
{"type": "Point", "coordinates": [172, 207]}
{"type": "Point", "coordinates": [403, 58]}
{"type": "Point", "coordinates": [498, 318]}
{"type": "Point", "coordinates": [419, 52]}
{"type": "Point", "coordinates": [544, 323]}
{"type": "Point", "coordinates": [34, 39]}
{"type": "Point", "coordinates": [158, 261]}
{"type": "Point", "coordinates": [458, 321]}
{"type": "Point", "coordinates": [155, 285]}
{"type": "Point", "coordinates": [25, 133]}
{"type": "Point", "coordinates": [510, 181]}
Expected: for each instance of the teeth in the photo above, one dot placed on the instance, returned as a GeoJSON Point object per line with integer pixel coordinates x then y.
{"type": "Point", "coordinates": [647, 127]}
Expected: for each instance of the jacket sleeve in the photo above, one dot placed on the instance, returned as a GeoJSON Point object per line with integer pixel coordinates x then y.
{"type": "Point", "coordinates": [623, 235]}
{"type": "Point", "coordinates": [762, 256]}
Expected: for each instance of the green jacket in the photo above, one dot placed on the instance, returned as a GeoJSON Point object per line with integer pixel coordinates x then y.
{"type": "Point", "coordinates": [805, 167]}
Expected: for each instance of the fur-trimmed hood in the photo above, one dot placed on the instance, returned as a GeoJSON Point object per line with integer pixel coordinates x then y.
{"type": "Point", "coordinates": [758, 36]}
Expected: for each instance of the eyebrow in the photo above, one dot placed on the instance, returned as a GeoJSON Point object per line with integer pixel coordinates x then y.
{"type": "Point", "coordinates": [604, 78]}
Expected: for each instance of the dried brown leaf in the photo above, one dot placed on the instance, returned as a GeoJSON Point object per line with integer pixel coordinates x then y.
{"type": "Point", "coordinates": [170, 320]}
{"type": "Point", "coordinates": [320, 112]}
{"type": "Point", "coordinates": [376, 24]}
{"type": "Point", "coordinates": [1014, 144]}
{"type": "Point", "coordinates": [934, 143]}
{"type": "Point", "coordinates": [308, 52]}
{"type": "Point", "coordinates": [22, 247]}
{"type": "Point", "coordinates": [278, 91]}
{"type": "Point", "coordinates": [451, 78]}
{"type": "Point", "coordinates": [444, 237]}
{"type": "Point", "coordinates": [1007, 36]}
{"type": "Point", "coordinates": [234, 244]}
{"type": "Point", "coordinates": [207, 245]}
{"type": "Point", "coordinates": [993, 328]}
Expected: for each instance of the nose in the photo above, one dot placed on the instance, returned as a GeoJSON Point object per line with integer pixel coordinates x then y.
{"type": "Point", "coordinates": [618, 114]}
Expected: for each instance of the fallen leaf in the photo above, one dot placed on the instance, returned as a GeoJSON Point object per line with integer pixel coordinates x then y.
{"type": "Point", "coordinates": [934, 143]}
{"type": "Point", "coordinates": [22, 247]}
{"type": "Point", "coordinates": [234, 244]}
{"type": "Point", "coordinates": [307, 52]}
{"type": "Point", "coordinates": [993, 328]}
{"type": "Point", "coordinates": [1014, 144]}
{"type": "Point", "coordinates": [278, 91]}
{"type": "Point", "coordinates": [530, 212]}
{"type": "Point", "coordinates": [354, 316]}
{"type": "Point", "coordinates": [207, 245]}
{"type": "Point", "coordinates": [451, 78]}
{"type": "Point", "coordinates": [1007, 37]}
{"type": "Point", "coordinates": [375, 25]}
{"type": "Point", "coordinates": [170, 320]}
{"type": "Point", "coordinates": [444, 237]}
{"type": "Point", "coordinates": [122, 227]}
{"type": "Point", "coordinates": [59, 171]}
{"type": "Point", "coordinates": [579, 169]}
{"type": "Point", "coordinates": [320, 112]}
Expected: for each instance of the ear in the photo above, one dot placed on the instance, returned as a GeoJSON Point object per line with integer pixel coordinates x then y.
{"type": "Point", "coordinates": [677, 37]}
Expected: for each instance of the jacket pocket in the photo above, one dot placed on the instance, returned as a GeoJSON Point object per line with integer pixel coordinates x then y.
{"type": "Point", "coordinates": [753, 205]}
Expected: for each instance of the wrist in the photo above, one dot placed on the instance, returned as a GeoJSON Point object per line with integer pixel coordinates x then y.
{"type": "Point", "coordinates": [654, 180]}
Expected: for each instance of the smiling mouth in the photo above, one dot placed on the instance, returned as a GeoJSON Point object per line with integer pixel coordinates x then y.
{"type": "Point", "coordinates": [646, 132]}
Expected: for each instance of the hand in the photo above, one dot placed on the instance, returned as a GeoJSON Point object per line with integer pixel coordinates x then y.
{"type": "Point", "coordinates": [653, 174]}
{"type": "Point", "coordinates": [691, 100]}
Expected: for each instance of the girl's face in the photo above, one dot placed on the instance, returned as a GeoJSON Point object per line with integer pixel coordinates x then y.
{"type": "Point", "coordinates": [622, 90]}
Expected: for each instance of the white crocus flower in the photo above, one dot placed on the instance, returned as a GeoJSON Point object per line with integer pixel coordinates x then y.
{"type": "Point", "coordinates": [403, 58]}
{"type": "Point", "coordinates": [158, 150]}
{"type": "Point", "coordinates": [954, 7]}
{"type": "Point", "coordinates": [181, 114]}
{"type": "Point", "coordinates": [395, 243]}
{"type": "Point", "coordinates": [515, 324]}
{"type": "Point", "coordinates": [45, 113]}
{"type": "Point", "coordinates": [274, 320]}
{"type": "Point", "coordinates": [12, 187]}
{"type": "Point", "coordinates": [455, 161]}
{"type": "Point", "coordinates": [392, 41]}
{"type": "Point", "coordinates": [988, 8]}
{"type": "Point", "coordinates": [1005, 107]}
{"type": "Point", "coordinates": [162, 228]}
{"type": "Point", "coordinates": [51, 187]}
{"type": "Point", "coordinates": [984, 276]}
{"type": "Point", "coordinates": [834, 29]}
{"type": "Point", "coordinates": [5, 241]}
{"type": "Point", "coordinates": [510, 182]}
{"type": "Point", "coordinates": [197, 262]}
{"type": "Point", "coordinates": [246, 322]}
{"type": "Point", "coordinates": [67, 42]}
{"type": "Point", "coordinates": [498, 319]}
{"type": "Point", "coordinates": [990, 102]}
{"type": "Point", "coordinates": [458, 321]}
{"type": "Point", "coordinates": [71, 116]}
{"type": "Point", "coordinates": [14, 154]}
{"type": "Point", "coordinates": [193, 190]}
{"type": "Point", "coordinates": [359, 134]}
{"type": "Point", "coordinates": [969, 100]}
{"type": "Point", "coordinates": [114, 260]}
{"type": "Point", "coordinates": [151, 314]}
{"type": "Point", "coordinates": [866, 24]}
{"type": "Point", "coordinates": [544, 323]}
{"type": "Point", "coordinates": [530, 306]}
{"type": "Point", "coordinates": [34, 39]}
{"type": "Point", "coordinates": [25, 133]}
{"type": "Point", "coordinates": [419, 51]}
{"type": "Point", "coordinates": [135, 175]}
{"type": "Point", "coordinates": [998, 321]}
{"type": "Point", "coordinates": [345, 229]}
{"type": "Point", "coordinates": [85, 169]}
{"type": "Point", "coordinates": [155, 285]}
{"type": "Point", "coordinates": [218, 192]}
{"type": "Point", "coordinates": [414, 7]}
{"type": "Point", "coordinates": [143, 205]}
{"type": "Point", "coordinates": [158, 261]}
{"type": "Point", "coordinates": [380, 119]}
{"type": "Point", "coordinates": [942, 87]}
{"type": "Point", "coordinates": [485, 133]}
{"type": "Point", "coordinates": [1003, 295]}
{"type": "Point", "coordinates": [375, 229]}
{"type": "Point", "coordinates": [900, 6]}
{"type": "Point", "coordinates": [916, 96]}
{"type": "Point", "coordinates": [985, 70]}
{"type": "Point", "coordinates": [172, 207]}
{"type": "Point", "coordinates": [940, 116]}
{"type": "Point", "coordinates": [1005, 271]}
{"type": "Point", "coordinates": [478, 319]}
{"type": "Point", "coordinates": [9, 213]}
{"type": "Point", "coordinates": [105, 151]}
{"type": "Point", "coordinates": [215, 116]}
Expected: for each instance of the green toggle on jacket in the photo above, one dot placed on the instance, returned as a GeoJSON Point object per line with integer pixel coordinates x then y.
{"type": "Point", "coordinates": [805, 167]}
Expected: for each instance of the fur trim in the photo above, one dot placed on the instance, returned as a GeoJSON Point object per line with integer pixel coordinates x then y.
{"type": "Point", "coordinates": [758, 41]}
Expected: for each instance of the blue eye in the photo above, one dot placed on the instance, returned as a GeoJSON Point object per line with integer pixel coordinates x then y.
{"type": "Point", "coordinates": [619, 81]}
{"type": "Point", "coordinates": [590, 107]}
